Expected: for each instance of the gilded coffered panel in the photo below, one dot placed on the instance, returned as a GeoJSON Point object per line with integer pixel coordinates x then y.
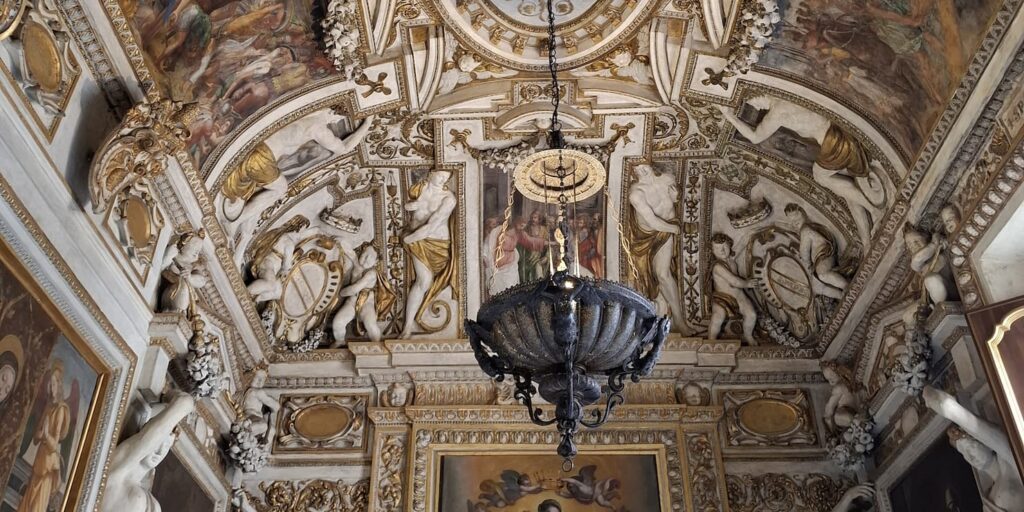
{"type": "Point", "coordinates": [38, 60]}
{"type": "Point", "coordinates": [766, 419]}
{"type": "Point", "coordinates": [317, 424]}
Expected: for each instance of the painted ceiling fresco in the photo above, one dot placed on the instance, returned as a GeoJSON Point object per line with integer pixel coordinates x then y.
{"type": "Point", "coordinates": [357, 155]}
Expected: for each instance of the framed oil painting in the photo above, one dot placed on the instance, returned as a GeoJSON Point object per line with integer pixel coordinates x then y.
{"type": "Point", "coordinates": [50, 384]}
{"type": "Point", "coordinates": [176, 488]}
{"type": "Point", "coordinates": [940, 481]}
{"type": "Point", "coordinates": [534, 482]}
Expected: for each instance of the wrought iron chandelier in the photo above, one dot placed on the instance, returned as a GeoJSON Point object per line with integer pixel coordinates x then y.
{"type": "Point", "coordinates": [557, 335]}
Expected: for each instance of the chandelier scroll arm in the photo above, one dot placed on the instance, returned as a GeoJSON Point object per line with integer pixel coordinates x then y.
{"type": "Point", "coordinates": [524, 393]}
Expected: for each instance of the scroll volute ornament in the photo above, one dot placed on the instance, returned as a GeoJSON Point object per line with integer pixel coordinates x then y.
{"type": "Point", "coordinates": [139, 148]}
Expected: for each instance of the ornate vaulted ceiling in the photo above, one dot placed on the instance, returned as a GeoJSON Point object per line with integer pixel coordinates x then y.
{"type": "Point", "coordinates": [752, 190]}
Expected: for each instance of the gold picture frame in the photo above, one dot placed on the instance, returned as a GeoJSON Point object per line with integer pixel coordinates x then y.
{"type": "Point", "coordinates": [76, 423]}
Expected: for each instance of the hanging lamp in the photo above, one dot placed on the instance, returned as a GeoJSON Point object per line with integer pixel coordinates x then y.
{"type": "Point", "coordinates": [557, 336]}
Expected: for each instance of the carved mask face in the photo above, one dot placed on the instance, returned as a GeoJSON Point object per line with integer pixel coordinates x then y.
{"type": "Point", "coordinates": [693, 395]}
{"type": "Point", "coordinates": [7, 377]}
{"type": "Point", "coordinates": [397, 395]}
{"type": "Point", "coordinates": [259, 379]}
{"type": "Point", "coordinates": [950, 220]}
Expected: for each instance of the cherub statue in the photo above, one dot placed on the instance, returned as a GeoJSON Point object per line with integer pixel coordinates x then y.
{"type": "Point", "coordinates": [181, 271]}
{"type": "Point", "coordinates": [132, 464]}
{"type": "Point", "coordinates": [845, 402]}
{"type": "Point", "coordinates": [817, 252]}
{"type": "Point", "coordinates": [258, 406]}
{"type": "Point", "coordinates": [273, 255]}
{"type": "Point", "coordinates": [728, 296]}
{"type": "Point", "coordinates": [985, 447]}
{"type": "Point", "coordinates": [927, 259]}
{"type": "Point", "coordinates": [360, 299]}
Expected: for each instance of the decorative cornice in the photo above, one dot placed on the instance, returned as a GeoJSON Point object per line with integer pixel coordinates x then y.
{"type": "Point", "coordinates": [95, 54]}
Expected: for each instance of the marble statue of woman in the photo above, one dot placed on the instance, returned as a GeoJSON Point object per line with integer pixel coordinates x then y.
{"type": "Point", "coordinates": [134, 460]}
{"type": "Point", "coordinates": [51, 430]}
{"type": "Point", "coordinates": [985, 447]}
{"type": "Point", "coordinates": [653, 230]}
{"type": "Point", "coordinates": [429, 244]}
{"type": "Point", "coordinates": [182, 273]}
{"type": "Point", "coordinates": [843, 165]}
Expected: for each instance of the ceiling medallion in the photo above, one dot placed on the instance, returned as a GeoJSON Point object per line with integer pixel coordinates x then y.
{"type": "Point", "coordinates": [537, 177]}
{"type": "Point", "coordinates": [514, 33]}
{"type": "Point", "coordinates": [557, 335]}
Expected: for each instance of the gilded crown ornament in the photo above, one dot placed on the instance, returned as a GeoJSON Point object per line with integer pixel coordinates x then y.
{"type": "Point", "coordinates": [557, 336]}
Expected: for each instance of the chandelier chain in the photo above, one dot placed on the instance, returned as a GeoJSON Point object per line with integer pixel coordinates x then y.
{"type": "Point", "coordinates": [556, 125]}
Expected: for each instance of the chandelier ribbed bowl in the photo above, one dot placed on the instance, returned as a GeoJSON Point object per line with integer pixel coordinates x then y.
{"type": "Point", "coordinates": [557, 336]}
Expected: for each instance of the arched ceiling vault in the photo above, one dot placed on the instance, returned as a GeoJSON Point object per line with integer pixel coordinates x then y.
{"type": "Point", "coordinates": [775, 170]}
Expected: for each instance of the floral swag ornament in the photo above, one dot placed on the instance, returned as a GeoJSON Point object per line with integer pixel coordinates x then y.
{"type": "Point", "coordinates": [852, 446]}
{"type": "Point", "coordinates": [753, 31]}
{"type": "Point", "coordinates": [341, 37]}
{"type": "Point", "coordinates": [909, 372]}
{"type": "Point", "coordinates": [203, 363]}
{"type": "Point", "coordinates": [247, 450]}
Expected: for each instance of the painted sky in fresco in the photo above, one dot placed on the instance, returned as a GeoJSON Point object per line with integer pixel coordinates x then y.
{"type": "Point", "coordinates": [231, 56]}
{"type": "Point", "coordinates": [898, 60]}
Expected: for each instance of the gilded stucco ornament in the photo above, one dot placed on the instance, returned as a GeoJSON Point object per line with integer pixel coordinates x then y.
{"type": "Point", "coordinates": [286, 496]}
{"type": "Point", "coordinates": [150, 134]}
{"type": "Point", "coordinates": [322, 423]}
{"type": "Point", "coordinates": [11, 12]}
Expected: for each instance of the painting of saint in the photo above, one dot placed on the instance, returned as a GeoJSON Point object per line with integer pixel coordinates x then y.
{"type": "Point", "coordinates": [893, 59]}
{"type": "Point", "coordinates": [526, 248]}
{"type": "Point", "coordinates": [941, 480]}
{"type": "Point", "coordinates": [175, 488]}
{"type": "Point", "coordinates": [231, 56]}
{"type": "Point", "coordinates": [49, 384]}
{"type": "Point", "coordinates": [520, 482]}
{"type": "Point", "coordinates": [54, 430]}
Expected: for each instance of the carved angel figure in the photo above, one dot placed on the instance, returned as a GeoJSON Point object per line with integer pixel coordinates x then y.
{"type": "Point", "coordinates": [361, 299]}
{"type": "Point", "coordinates": [844, 402]}
{"type": "Point", "coordinates": [927, 260]}
{"type": "Point", "coordinates": [462, 66]}
{"type": "Point", "coordinates": [273, 254]}
{"type": "Point", "coordinates": [728, 298]}
{"type": "Point", "coordinates": [182, 273]}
